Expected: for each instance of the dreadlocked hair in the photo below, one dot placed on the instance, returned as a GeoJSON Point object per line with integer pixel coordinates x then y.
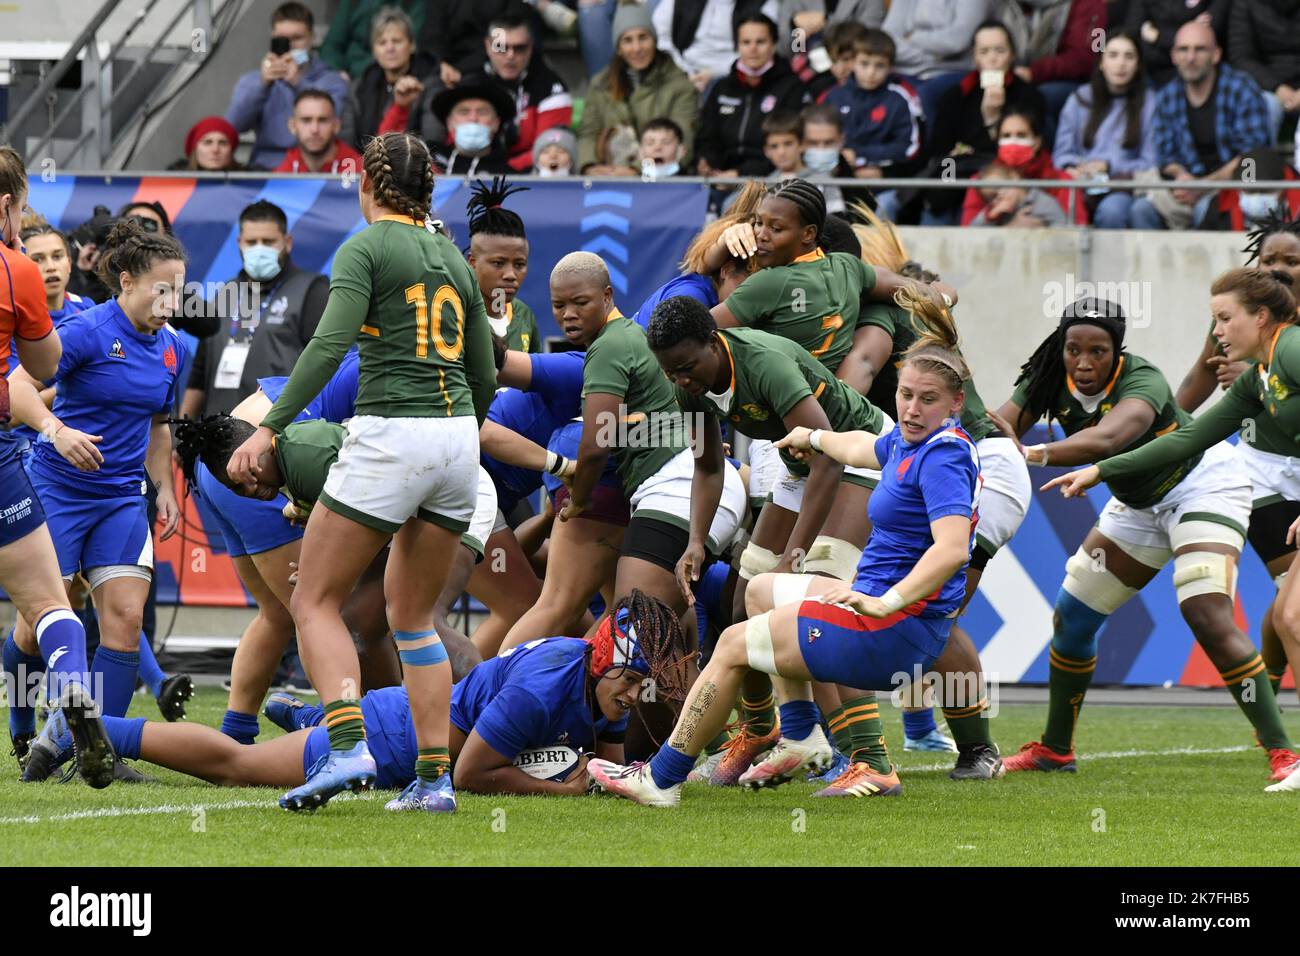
{"type": "Point", "coordinates": [1045, 373]}
{"type": "Point", "coordinates": [679, 319]}
{"type": "Point", "coordinates": [486, 217]}
{"type": "Point", "coordinates": [211, 439]}
{"type": "Point", "coordinates": [742, 210]}
{"type": "Point", "coordinates": [936, 346]}
{"type": "Point", "coordinates": [401, 173]}
{"type": "Point", "coordinates": [666, 648]}
{"type": "Point", "coordinates": [807, 198]}
{"type": "Point", "coordinates": [1277, 220]}
{"type": "Point", "coordinates": [881, 244]}
{"type": "Point", "coordinates": [130, 249]}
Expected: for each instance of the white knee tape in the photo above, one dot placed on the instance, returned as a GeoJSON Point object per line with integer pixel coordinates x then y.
{"type": "Point", "coordinates": [758, 644]}
{"type": "Point", "coordinates": [108, 572]}
{"type": "Point", "coordinates": [1204, 572]}
{"type": "Point", "coordinates": [1277, 581]}
{"type": "Point", "coordinates": [833, 556]}
{"type": "Point", "coordinates": [790, 588]}
{"type": "Point", "coordinates": [1205, 532]}
{"type": "Point", "coordinates": [1089, 582]}
{"type": "Point", "coordinates": [755, 560]}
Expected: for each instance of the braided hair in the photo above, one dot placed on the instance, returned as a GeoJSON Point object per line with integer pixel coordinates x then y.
{"type": "Point", "coordinates": [486, 215]}
{"type": "Point", "coordinates": [1278, 220]}
{"type": "Point", "coordinates": [1045, 370]}
{"type": "Point", "coordinates": [211, 439]}
{"type": "Point", "coordinates": [400, 169]}
{"type": "Point", "coordinates": [807, 198]}
{"type": "Point", "coordinates": [665, 647]}
{"type": "Point", "coordinates": [679, 319]}
{"type": "Point", "coordinates": [130, 249]}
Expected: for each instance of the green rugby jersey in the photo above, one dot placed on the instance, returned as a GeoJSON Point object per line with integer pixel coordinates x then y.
{"type": "Point", "coordinates": [651, 429]}
{"type": "Point", "coordinates": [901, 327]}
{"type": "Point", "coordinates": [518, 326]}
{"type": "Point", "coordinates": [813, 301]}
{"type": "Point", "coordinates": [1268, 392]}
{"type": "Point", "coordinates": [770, 375]}
{"type": "Point", "coordinates": [411, 303]}
{"type": "Point", "coordinates": [305, 452]}
{"type": "Point", "coordinates": [1134, 378]}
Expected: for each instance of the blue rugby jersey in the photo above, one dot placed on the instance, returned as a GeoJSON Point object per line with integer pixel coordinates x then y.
{"type": "Point", "coordinates": [533, 695]}
{"type": "Point", "coordinates": [554, 397]}
{"type": "Point", "coordinates": [337, 401]}
{"type": "Point", "coordinates": [72, 305]}
{"type": "Point", "coordinates": [112, 380]}
{"type": "Point", "coordinates": [919, 483]}
{"type": "Point", "coordinates": [688, 283]}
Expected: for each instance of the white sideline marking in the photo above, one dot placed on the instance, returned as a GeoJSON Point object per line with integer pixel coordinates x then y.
{"type": "Point", "coordinates": [1105, 755]}
{"type": "Point", "coordinates": [165, 808]}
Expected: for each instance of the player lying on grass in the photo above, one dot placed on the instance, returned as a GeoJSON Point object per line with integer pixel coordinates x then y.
{"type": "Point", "coordinates": [895, 616]}
{"type": "Point", "coordinates": [551, 691]}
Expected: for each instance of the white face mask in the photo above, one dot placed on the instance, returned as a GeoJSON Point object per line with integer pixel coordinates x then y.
{"type": "Point", "coordinates": [1257, 205]}
{"type": "Point", "coordinates": [546, 172]}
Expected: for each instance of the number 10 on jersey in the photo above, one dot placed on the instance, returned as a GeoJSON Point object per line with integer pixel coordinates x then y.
{"type": "Point", "coordinates": [445, 295]}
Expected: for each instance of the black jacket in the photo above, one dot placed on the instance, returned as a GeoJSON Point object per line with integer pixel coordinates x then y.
{"type": "Point", "coordinates": [1264, 40]}
{"type": "Point", "coordinates": [447, 161]}
{"type": "Point", "coordinates": [454, 30]}
{"type": "Point", "coordinates": [370, 96]}
{"type": "Point", "coordinates": [1168, 16]}
{"type": "Point", "coordinates": [731, 120]}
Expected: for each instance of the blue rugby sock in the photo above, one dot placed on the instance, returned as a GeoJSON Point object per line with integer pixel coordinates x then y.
{"type": "Point", "coordinates": [22, 674]}
{"type": "Point", "coordinates": [798, 718]}
{"type": "Point", "coordinates": [115, 672]}
{"type": "Point", "coordinates": [62, 641]}
{"type": "Point", "coordinates": [308, 716]}
{"type": "Point", "coordinates": [918, 723]}
{"type": "Point", "coordinates": [240, 727]}
{"type": "Point", "coordinates": [125, 734]}
{"type": "Point", "coordinates": [150, 672]}
{"type": "Point", "coordinates": [669, 767]}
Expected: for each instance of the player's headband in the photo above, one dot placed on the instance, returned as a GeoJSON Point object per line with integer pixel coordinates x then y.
{"type": "Point", "coordinates": [615, 644]}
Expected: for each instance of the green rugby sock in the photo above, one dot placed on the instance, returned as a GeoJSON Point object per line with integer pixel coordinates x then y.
{"type": "Point", "coordinates": [759, 714]}
{"type": "Point", "coordinates": [1067, 683]}
{"type": "Point", "coordinates": [1256, 699]}
{"type": "Point", "coordinates": [345, 724]}
{"type": "Point", "coordinates": [865, 733]}
{"type": "Point", "coordinates": [969, 725]}
{"type": "Point", "coordinates": [431, 763]}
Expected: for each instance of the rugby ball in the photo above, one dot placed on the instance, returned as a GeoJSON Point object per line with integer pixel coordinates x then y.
{"type": "Point", "coordinates": [548, 763]}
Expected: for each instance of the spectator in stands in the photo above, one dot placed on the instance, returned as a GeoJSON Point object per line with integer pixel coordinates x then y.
{"type": "Point", "coordinates": [1014, 206]}
{"type": "Point", "coordinates": [1157, 22]}
{"type": "Point", "coordinates": [383, 93]}
{"type": "Point", "coordinates": [1021, 155]}
{"type": "Point", "coordinates": [210, 146]}
{"type": "Point", "coordinates": [1107, 130]}
{"type": "Point", "coordinates": [961, 138]}
{"type": "Point", "coordinates": [841, 41]}
{"type": "Point", "coordinates": [826, 156]}
{"type": "Point", "coordinates": [475, 114]}
{"type": "Point", "coordinates": [1243, 210]}
{"type": "Point", "coordinates": [454, 31]}
{"type": "Point", "coordinates": [663, 149]}
{"type": "Point", "coordinates": [783, 143]}
{"type": "Point", "coordinates": [876, 120]}
{"type": "Point", "coordinates": [88, 239]}
{"type": "Point", "coordinates": [1205, 121]}
{"type": "Point", "coordinates": [933, 39]}
{"type": "Point", "coordinates": [316, 144]}
{"type": "Point", "coordinates": [265, 321]}
{"type": "Point", "coordinates": [555, 152]}
{"type": "Point", "coordinates": [1056, 44]}
{"type": "Point", "coordinates": [805, 24]}
{"type": "Point", "coordinates": [263, 98]}
{"type": "Point", "coordinates": [1264, 40]}
{"type": "Point", "coordinates": [641, 83]}
{"type": "Point", "coordinates": [730, 139]}
{"type": "Point", "coordinates": [540, 96]}
{"type": "Point", "coordinates": [701, 34]}
{"type": "Point", "coordinates": [349, 45]}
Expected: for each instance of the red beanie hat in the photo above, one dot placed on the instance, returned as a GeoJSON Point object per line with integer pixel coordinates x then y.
{"type": "Point", "coordinates": [210, 124]}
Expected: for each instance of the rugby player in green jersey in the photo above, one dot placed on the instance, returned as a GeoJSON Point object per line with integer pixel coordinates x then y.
{"type": "Point", "coordinates": [1275, 245]}
{"type": "Point", "coordinates": [1192, 506]}
{"type": "Point", "coordinates": [498, 254]}
{"type": "Point", "coordinates": [407, 472]}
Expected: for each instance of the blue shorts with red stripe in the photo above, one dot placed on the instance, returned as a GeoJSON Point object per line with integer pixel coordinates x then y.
{"type": "Point", "coordinates": [843, 647]}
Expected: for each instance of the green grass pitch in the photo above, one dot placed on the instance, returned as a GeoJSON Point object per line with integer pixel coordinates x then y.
{"type": "Point", "coordinates": [1166, 786]}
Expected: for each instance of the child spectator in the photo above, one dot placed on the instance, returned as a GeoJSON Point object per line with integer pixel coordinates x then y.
{"type": "Point", "coordinates": [662, 149]}
{"type": "Point", "coordinates": [555, 152]}
{"type": "Point", "coordinates": [826, 157]}
{"type": "Point", "coordinates": [841, 42]}
{"type": "Point", "coordinates": [877, 121]}
{"type": "Point", "coordinates": [783, 143]}
{"type": "Point", "coordinates": [317, 147]}
{"type": "Point", "coordinates": [1021, 153]}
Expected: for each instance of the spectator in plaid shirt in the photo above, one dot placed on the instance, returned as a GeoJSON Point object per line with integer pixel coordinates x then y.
{"type": "Point", "coordinates": [1205, 121]}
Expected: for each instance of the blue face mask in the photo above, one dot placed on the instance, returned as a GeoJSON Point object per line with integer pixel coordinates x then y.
{"type": "Point", "coordinates": [472, 137]}
{"type": "Point", "coordinates": [301, 56]}
{"type": "Point", "coordinates": [262, 262]}
{"type": "Point", "coordinates": [821, 160]}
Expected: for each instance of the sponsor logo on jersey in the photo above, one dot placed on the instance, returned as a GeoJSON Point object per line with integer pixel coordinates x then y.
{"type": "Point", "coordinates": [756, 412]}
{"type": "Point", "coordinates": [1279, 391]}
{"type": "Point", "coordinates": [814, 633]}
{"type": "Point", "coordinates": [116, 350]}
